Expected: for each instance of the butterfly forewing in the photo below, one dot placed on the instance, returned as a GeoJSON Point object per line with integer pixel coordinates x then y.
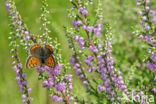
{"type": "Point", "coordinates": [50, 62]}
{"type": "Point", "coordinates": [49, 49]}
{"type": "Point", "coordinates": [32, 62]}
{"type": "Point", "coordinates": [35, 50]}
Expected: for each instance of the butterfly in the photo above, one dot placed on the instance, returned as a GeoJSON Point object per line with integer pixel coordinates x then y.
{"type": "Point", "coordinates": [40, 56]}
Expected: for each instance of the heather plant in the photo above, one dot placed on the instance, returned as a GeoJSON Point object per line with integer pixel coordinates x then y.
{"type": "Point", "coordinates": [91, 43]}
{"type": "Point", "coordinates": [90, 38]}
{"type": "Point", "coordinates": [146, 33]}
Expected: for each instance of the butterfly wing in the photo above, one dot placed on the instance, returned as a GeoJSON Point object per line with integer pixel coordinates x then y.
{"type": "Point", "coordinates": [35, 50]}
{"type": "Point", "coordinates": [32, 62]}
{"type": "Point", "coordinates": [49, 49]}
{"type": "Point", "coordinates": [50, 61]}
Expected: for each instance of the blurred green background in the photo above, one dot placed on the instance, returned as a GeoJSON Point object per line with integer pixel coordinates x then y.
{"type": "Point", "coordinates": [127, 49]}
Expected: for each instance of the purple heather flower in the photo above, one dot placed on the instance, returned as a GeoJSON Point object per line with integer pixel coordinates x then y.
{"type": "Point", "coordinates": [61, 86]}
{"type": "Point", "coordinates": [50, 84]}
{"type": "Point", "coordinates": [76, 66]}
{"type": "Point", "coordinates": [144, 18]}
{"type": "Point", "coordinates": [20, 86]}
{"type": "Point", "coordinates": [19, 80]}
{"type": "Point", "coordinates": [147, 1]}
{"type": "Point", "coordinates": [29, 90]}
{"type": "Point", "coordinates": [85, 83]}
{"type": "Point", "coordinates": [13, 63]}
{"type": "Point", "coordinates": [68, 76]}
{"type": "Point", "coordinates": [80, 9]}
{"type": "Point", "coordinates": [20, 23]}
{"type": "Point", "coordinates": [142, 22]}
{"type": "Point", "coordinates": [70, 86]}
{"type": "Point", "coordinates": [133, 92]}
{"type": "Point", "coordinates": [75, 37]}
{"type": "Point", "coordinates": [72, 60]}
{"type": "Point", "coordinates": [57, 69]}
{"type": "Point", "coordinates": [26, 33]}
{"type": "Point", "coordinates": [45, 83]}
{"type": "Point", "coordinates": [34, 38]}
{"type": "Point", "coordinates": [23, 98]}
{"type": "Point", "coordinates": [155, 78]}
{"type": "Point", "coordinates": [89, 70]}
{"type": "Point", "coordinates": [19, 27]}
{"type": "Point", "coordinates": [14, 20]}
{"type": "Point", "coordinates": [141, 93]}
{"type": "Point", "coordinates": [99, 46]}
{"type": "Point", "coordinates": [154, 20]}
{"type": "Point", "coordinates": [83, 11]}
{"type": "Point", "coordinates": [100, 88]}
{"type": "Point", "coordinates": [146, 38]}
{"type": "Point", "coordinates": [24, 82]}
{"type": "Point", "coordinates": [140, 13]}
{"type": "Point", "coordinates": [71, 99]}
{"type": "Point", "coordinates": [22, 31]}
{"type": "Point", "coordinates": [112, 99]}
{"type": "Point", "coordinates": [16, 69]}
{"type": "Point", "coordinates": [27, 38]}
{"type": "Point", "coordinates": [147, 27]}
{"type": "Point", "coordinates": [40, 69]}
{"type": "Point", "coordinates": [98, 29]}
{"type": "Point", "coordinates": [56, 98]}
{"type": "Point", "coordinates": [81, 39]}
{"type": "Point", "coordinates": [78, 71]}
{"type": "Point", "coordinates": [99, 57]}
{"type": "Point", "coordinates": [141, 37]}
{"type": "Point", "coordinates": [152, 12]}
{"type": "Point", "coordinates": [81, 42]}
{"type": "Point", "coordinates": [147, 8]}
{"type": "Point", "coordinates": [79, 23]}
{"type": "Point", "coordinates": [93, 49]}
{"type": "Point", "coordinates": [94, 68]}
{"type": "Point", "coordinates": [30, 98]}
{"type": "Point", "coordinates": [151, 66]}
{"type": "Point", "coordinates": [154, 90]}
{"type": "Point", "coordinates": [72, 8]}
{"type": "Point", "coordinates": [88, 62]}
{"type": "Point", "coordinates": [137, 97]}
{"type": "Point", "coordinates": [89, 28]}
{"type": "Point", "coordinates": [76, 24]}
{"type": "Point", "coordinates": [84, 27]}
{"type": "Point", "coordinates": [138, 3]}
{"type": "Point", "coordinates": [39, 40]}
{"type": "Point", "coordinates": [24, 75]}
{"type": "Point", "coordinates": [7, 5]}
{"type": "Point", "coordinates": [153, 57]}
{"type": "Point", "coordinates": [89, 59]}
{"type": "Point", "coordinates": [81, 77]}
{"type": "Point", "coordinates": [51, 79]}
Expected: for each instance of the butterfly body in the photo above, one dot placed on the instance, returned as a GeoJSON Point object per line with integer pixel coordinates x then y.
{"type": "Point", "coordinates": [40, 56]}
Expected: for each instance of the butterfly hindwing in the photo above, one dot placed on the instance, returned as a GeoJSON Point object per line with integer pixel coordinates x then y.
{"type": "Point", "coordinates": [50, 61]}
{"type": "Point", "coordinates": [32, 62]}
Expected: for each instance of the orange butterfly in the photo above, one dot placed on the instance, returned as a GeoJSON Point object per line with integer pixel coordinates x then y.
{"type": "Point", "coordinates": [40, 56]}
